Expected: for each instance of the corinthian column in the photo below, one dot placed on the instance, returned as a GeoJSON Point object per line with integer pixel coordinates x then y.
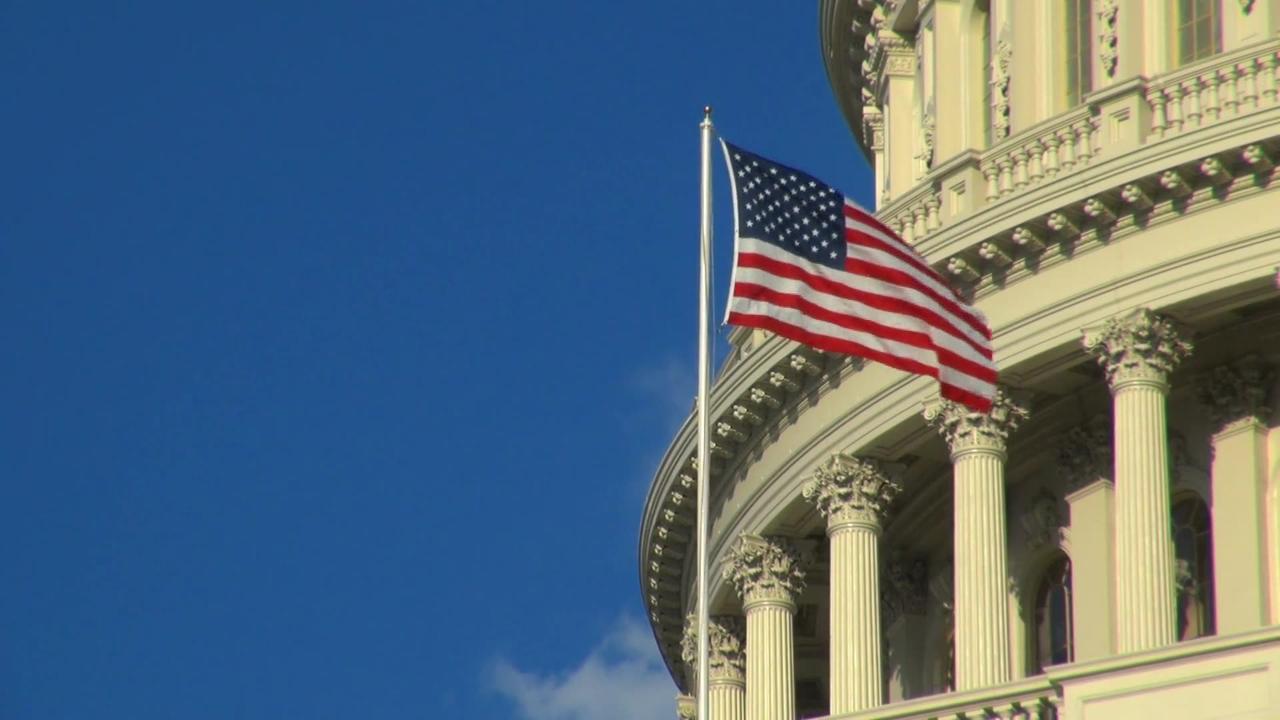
{"type": "Point", "coordinates": [766, 571]}
{"type": "Point", "coordinates": [1138, 351]}
{"type": "Point", "coordinates": [853, 494]}
{"type": "Point", "coordinates": [726, 683]}
{"type": "Point", "coordinates": [978, 444]}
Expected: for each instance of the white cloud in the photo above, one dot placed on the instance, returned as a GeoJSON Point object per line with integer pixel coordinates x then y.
{"type": "Point", "coordinates": [622, 678]}
{"type": "Point", "coordinates": [668, 385]}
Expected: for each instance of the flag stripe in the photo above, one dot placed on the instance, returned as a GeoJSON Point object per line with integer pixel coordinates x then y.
{"type": "Point", "coordinates": [958, 387]}
{"type": "Point", "coordinates": [874, 250]}
{"type": "Point", "coordinates": [813, 266]}
{"type": "Point", "coordinates": [868, 288]}
{"type": "Point", "coordinates": [903, 340]}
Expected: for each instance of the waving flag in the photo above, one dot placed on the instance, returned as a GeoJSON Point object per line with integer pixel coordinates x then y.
{"type": "Point", "coordinates": [814, 267]}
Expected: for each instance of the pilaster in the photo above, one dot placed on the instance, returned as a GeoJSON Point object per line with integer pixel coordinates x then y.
{"type": "Point", "coordinates": [854, 494]}
{"type": "Point", "coordinates": [1236, 396]}
{"type": "Point", "coordinates": [978, 443]}
{"type": "Point", "coordinates": [1085, 461]}
{"type": "Point", "coordinates": [767, 574]}
{"type": "Point", "coordinates": [1138, 351]}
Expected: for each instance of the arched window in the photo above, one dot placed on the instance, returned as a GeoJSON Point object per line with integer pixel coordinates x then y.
{"type": "Point", "coordinates": [1078, 27]}
{"type": "Point", "coordinates": [1193, 551]}
{"type": "Point", "coordinates": [1199, 30]}
{"type": "Point", "coordinates": [1053, 638]}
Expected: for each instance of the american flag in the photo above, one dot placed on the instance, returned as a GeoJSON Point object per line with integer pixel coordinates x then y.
{"type": "Point", "coordinates": [814, 267]}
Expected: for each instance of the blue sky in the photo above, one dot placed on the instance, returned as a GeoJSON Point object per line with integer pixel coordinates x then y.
{"type": "Point", "coordinates": [341, 341]}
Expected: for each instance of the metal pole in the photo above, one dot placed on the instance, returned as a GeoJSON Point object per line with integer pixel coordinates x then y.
{"type": "Point", "coordinates": [704, 434]}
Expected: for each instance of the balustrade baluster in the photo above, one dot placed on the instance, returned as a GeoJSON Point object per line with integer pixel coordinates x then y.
{"type": "Point", "coordinates": [991, 173]}
{"type": "Point", "coordinates": [1067, 137]}
{"type": "Point", "coordinates": [1249, 74]}
{"type": "Point", "coordinates": [1006, 175]}
{"type": "Point", "coordinates": [1174, 109]}
{"type": "Point", "coordinates": [1191, 89]}
{"type": "Point", "coordinates": [1035, 160]}
{"type": "Point", "coordinates": [1227, 90]}
{"type": "Point", "coordinates": [1019, 169]}
{"type": "Point", "coordinates": [1155, 98]}
{"type": "Point", "coordinates": [1084, 140]}
{"type": "Point", "coordinates": [1212, 106]}
{"type": "Point", "coordinates": [1051, 149]}
{"type": "Point", "coordinates": [1267, 77]}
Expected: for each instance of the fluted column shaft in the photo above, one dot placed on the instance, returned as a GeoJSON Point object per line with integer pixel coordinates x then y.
{"type": "Point", "coordinates": [728, 699]}
{"type": "Point", "coordinates": [853, 494]}
{"type": "Point", "coordinates": [978, 442]}
{"type": "Point", "coordinates": [857, 681]}
{"type": "Point", "coordinates": [1145, 602]}
{"type": "Point", "coordinates": [981, 567]}
{"type": "Point", "coordinates": [1138, 351]}
{"type": "Point", "coordinates": [767, 574]}
{"type": "Point", "coordinates": [771, 670]}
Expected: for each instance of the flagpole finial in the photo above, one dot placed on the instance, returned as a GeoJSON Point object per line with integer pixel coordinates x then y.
{"type": "Point", "coordinates": [706, 112]}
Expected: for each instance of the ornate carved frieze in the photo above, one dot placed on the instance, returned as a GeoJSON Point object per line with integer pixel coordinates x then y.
{"type": "Point", "coordinates": [906, 587]}
{"type": "Point", "coordinates": [1001, 61]}
{"type": "Point", "coordinates": [765, 569]}
{"type": "Point", "coordinates": [928, 131]}
{"type": "Point", "coordinates": [1084, 455]}
{"type": "Point", "coordinates": [966, 430]}
{"type": "Point", "coordinates": [1142, 346]}
{"type": "Point", "coordinates": [851, 489]}
{"type": "Point", "coordinates": [1041, 520]}
{"type": "Point", "coordinates": [1108, 52]}
{"type": "Point", "coordinates": [873, 122]}
{"type": "Point", "coordinates": [1237, 392]}
{"type": "Point", "coordinates": [726, 647]}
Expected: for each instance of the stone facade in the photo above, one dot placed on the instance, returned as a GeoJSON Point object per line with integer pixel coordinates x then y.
{"type": "Point", "coordinates": [1048, 559]}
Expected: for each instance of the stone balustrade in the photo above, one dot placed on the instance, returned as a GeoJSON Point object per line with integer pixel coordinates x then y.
{"type": "Point", "coordinates": [1224, 87]}
{"type": "Point", "coordinates": [1067, 143]}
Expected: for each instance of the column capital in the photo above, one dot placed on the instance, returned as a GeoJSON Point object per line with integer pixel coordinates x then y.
{"type": "Point", "coordinates": [967, 431]}
{"type": "Point", "coordinates": [765, 570]}
{"type": "Point", "coordinates": [1084, 453]}
{"type": "Point", "coordinates": [850, 490]}
{"type": "Point", "coordinates": [1236, 392]}
{"type": "Point", "coordinates": [686, 707]}
{"type": "Point", "coordinates": [1139, 348]}
{"type": "Point", "coordinates": [726, 643]}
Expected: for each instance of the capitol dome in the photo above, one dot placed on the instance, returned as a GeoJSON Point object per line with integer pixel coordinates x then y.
{"type": "Point", "coordinates": [1098, 176]}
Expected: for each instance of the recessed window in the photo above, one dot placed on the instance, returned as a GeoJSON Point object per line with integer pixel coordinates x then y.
{"type": "Point", "coordinates": [1078, 27]}
{"type": "Point", "coordinates": [1193, 553]}
{"type": "Point", "coordinates": [1053, 641]}
{"type": "Point", "coordinates": [1199, 30]}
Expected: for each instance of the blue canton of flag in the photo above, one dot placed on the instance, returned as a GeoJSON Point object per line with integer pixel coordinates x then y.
{"type": "Point", "coordinates": [787, 208]}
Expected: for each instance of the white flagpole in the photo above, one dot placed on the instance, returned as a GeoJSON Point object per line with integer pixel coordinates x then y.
{"type": "Point", "coordinates": [704, 441]}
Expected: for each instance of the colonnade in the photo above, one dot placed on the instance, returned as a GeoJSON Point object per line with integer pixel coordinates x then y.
{"type": "Point", "coordinates": [752, 662]}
